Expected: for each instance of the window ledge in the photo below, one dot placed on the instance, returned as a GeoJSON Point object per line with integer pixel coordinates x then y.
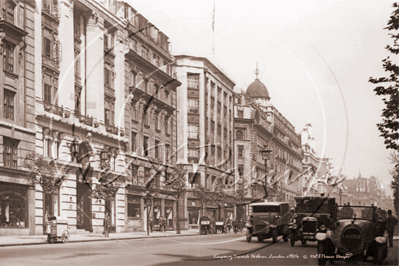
{"type": "Point", "coordinates": [11, 74]}
{"type": "Point", "coordinates": [134, 121]}
{"type": "Point", "coordinates": [157, 131]}
{"type": "Point", "coordinates": [167, 135]}
{"type": "Point", "coordinates": [147, 126]}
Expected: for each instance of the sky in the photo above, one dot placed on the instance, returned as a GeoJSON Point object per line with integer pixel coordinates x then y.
{"type": "Point", "coordinates": [315, 58]}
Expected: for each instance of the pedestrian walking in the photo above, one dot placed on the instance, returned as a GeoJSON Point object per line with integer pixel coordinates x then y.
{"type": "Point", "coordinates": [107, 224]}
{"type": "Point", "coordinates": [391, 222]}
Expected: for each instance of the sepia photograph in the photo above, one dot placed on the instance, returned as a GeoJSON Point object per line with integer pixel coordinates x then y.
{"type": "Point", "coordinates": [208, 132]}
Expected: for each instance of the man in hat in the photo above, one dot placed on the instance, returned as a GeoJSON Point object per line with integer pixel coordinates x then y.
{"type": "Point", "coordinates": [391, 222]}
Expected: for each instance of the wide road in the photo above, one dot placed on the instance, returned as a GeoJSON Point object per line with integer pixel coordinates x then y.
{"type": "Point", "coordinates": [221, 249]}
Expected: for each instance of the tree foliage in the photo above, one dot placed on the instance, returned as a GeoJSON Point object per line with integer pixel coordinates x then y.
{"type": "Point", "coordinates": [395, 182]}
{"type": "Point", "coordinates": [109, 183]}
{"type": "Point", "coordinates": [44, 172]}
{"type": "Point", "coordinates": [389, 87]}
{"type": "Point", "coordinates": [177, 184]}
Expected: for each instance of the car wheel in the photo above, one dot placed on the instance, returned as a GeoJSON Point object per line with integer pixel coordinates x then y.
{"type": "Point", "coordinates": [274, 235]}
{"type": "Point", "coordinates": [65, 237]}
{"type": "Point", "coordinates": [285, 238]}
{"type": "Point", "coordinates": [260, 238]}
{"type": "Point", "coordinates": [292, 240]}
{"type": "Point", "coordinates": [320, 251]}
{"type": "Point", "coordinates": [379, 256]}
{"type": "Point", "coordinates": [52, 240]}
{"type": "Point", "coordinates": [249, 237]}
{"type": "Point", "coordinates": [303, 241]}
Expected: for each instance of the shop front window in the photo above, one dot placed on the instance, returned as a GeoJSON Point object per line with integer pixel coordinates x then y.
{"type": "Point", "coordinates": [13, 206]}
{"type": "Point", "coordinates": [133, 206]}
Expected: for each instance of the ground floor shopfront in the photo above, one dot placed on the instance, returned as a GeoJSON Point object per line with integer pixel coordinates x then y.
{"type": "Point", "coordinates": [139, 208]}
{"type": "Point", "coordinates": [17, 207]}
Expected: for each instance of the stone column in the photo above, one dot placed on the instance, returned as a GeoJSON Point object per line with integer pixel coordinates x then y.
{"type": "Point", "coordinates": [119, 82]}
{"type": "Point", "coordinates": [95, 68]}
{"type": "Point", "coordinates": [31, 211]}
{"type": "Point", "coordinates": [66, 81]}
{"type": "Point", "coordinates": [163, 207]}
{"type": "Point", "coordinates": [142, 209]}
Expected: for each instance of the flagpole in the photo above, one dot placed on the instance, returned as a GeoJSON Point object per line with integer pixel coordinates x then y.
{"type": "Point", "coordinates": [213, 32]}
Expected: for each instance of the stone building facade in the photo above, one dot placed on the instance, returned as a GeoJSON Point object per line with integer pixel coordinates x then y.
{"type": "Point", "coordinates": [258, 125]}
{"type": "Point", "coordinates": [205, 134]}
{"type": "Point", "coordinates": [17, 115]}
{"type": "Point", "coordinates": [85, 82]}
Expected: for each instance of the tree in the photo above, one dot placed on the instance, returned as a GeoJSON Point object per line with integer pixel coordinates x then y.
{"type": "Point", "coordinates": [219, 195]}
{"type": "Point", "coordinates": [390, 124]}
{"type": "Point", "coordinates": [177, 184]}
{"type": "Point", "coordinates": [394, 156]}
{"type": "Point", "coordinates": [108, 183]}
{"type": "Point", "coordinates": [43, 172]}
{"type": "Point", "coordinates": [204, 197]}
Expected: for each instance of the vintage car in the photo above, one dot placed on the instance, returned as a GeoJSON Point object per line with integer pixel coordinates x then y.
{"type": "Point", "coordinates": [358, 234]}
{"type": "Point", "coordinates": [311, 215]}
{"type": "Point", "coordinates": [268, 220]}
{"type": "Point", "coordinates": [207, 225]}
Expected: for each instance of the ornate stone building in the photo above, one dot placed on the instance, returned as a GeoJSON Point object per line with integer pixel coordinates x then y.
{"type": "Point", "coordinates": [258, 124]}
{"type": "Point", "coordinates": [83, 83]}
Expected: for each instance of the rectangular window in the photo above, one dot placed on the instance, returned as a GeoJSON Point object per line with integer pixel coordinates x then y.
{"type": "Point", "coordinates": [193, 81]}
{"type": "Point", "coordinates": [9, 104]}
{"type": "Point", "coordinates": [156, 148]}
{"type": "Point", "coordinates": [10, 152]}
{"type": "Point", "coordinates": [240, 151]}
{"type": "Point", "coordinates": [50, 6]}
{"type": "Point", "coordinates": [241, 170]}
{"type": "Point", "coordinates": [192, 131]}
{"type": "Point", "coordinates": [8, 57]}
{"type": "Point", "coordinates": [166, 125]}
{"type": "Point", "coordinates": [47, 147]}
{"type": "Point", "coordinates": [144, 52]}
{"type": "Point", "coordinates": [50, 89]}
{"type": "Point", "coordinates": [109, 76]}
{"type": "Point", "coordinates": [156, 122]}
{"type": "Point", "coordinates": [167, 151]}
{"type": "Point", "coordinates": [193, 155]}
{"type": "Point", "coordinates": [240, 114]}
{"type": "Point", "coordinates": [192, 105]}
{"type": "Point", "coordinates": [133, 206]}
{"type": "Point", "coordinates": [145, 146]}
{"type": "Point", "coordinates": [134, 136]}
{"type": "Point", "coordinates": [109, 112]}
{"type": "Point", "coordinates": [134, 110]}
{"type": "Point", "coordinates": [156, 60]}
{"type": "Point", "coordinates": [8, 11]}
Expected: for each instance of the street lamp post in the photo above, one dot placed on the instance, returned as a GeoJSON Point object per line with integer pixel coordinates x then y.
{"type": "Point", "coordinates": [265, 156]}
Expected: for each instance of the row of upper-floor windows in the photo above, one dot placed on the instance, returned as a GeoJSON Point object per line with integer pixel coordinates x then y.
{"type": "Point", "coordinates": [146, 148]}
{"type": "Point", "coordinates": [149, 118]}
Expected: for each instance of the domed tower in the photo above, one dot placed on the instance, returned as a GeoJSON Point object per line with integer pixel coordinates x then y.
{"type": "Point", "coordinates": [257, 91]}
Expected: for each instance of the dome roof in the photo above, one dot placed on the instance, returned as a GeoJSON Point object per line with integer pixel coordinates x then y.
{"type": "Point", "coordinates": [257, 90]}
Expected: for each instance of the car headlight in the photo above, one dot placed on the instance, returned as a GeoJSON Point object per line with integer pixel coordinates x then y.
{"type": "Point", "coordinates": [294, 221]}
{"type": "Point", "coordinates": [248, 225]}
{"type": "Point", "coordinates": [380, 239]}
{"type": "Point", "coordinates": [321, 236]}
{"type": "Point", "coordinates": [323, 227]}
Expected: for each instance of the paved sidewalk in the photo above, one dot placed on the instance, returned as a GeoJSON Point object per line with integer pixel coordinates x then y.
{"type": "Point", "coordinates": [42, 239]}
